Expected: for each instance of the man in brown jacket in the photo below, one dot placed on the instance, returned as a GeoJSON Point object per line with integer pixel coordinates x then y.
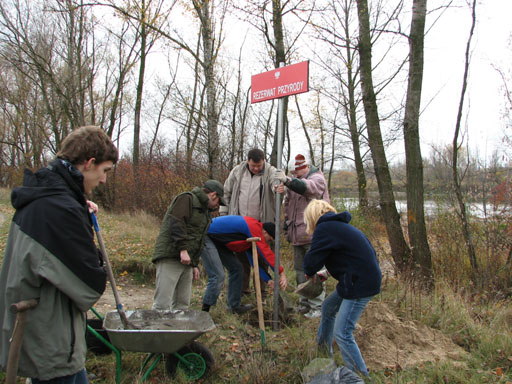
{"type": "Point", "coordinates": [249, 191]}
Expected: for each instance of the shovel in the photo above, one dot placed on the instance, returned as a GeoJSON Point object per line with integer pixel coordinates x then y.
{"type": "Point", "coordinates": [119, 306]}
{"type": "Point", "coordinates": [20, 309]}
{"type": "Point", "coordinates": [259, 303]}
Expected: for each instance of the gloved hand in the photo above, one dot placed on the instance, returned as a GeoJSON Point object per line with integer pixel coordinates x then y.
{"type": "Point", "coordinates": [279, 176]}
{"type": "Point", "coordinates": [323, 274]}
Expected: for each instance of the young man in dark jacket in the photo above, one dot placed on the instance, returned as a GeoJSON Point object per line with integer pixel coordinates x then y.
{"type": "Point", "coordinates": [180, 243]}
{"type": "Point", "coordinates": [51, 256]}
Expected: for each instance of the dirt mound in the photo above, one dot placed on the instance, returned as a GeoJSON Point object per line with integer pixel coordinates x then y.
{"type": "Point", "coordinates": [389, 342]}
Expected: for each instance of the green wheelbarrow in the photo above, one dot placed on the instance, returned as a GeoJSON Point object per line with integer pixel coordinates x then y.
{"type": "Point", "coordinates": [162, 334]}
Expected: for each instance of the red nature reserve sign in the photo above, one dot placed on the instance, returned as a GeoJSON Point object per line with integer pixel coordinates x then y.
{"type": "Point", "coordinates": [280, 82]}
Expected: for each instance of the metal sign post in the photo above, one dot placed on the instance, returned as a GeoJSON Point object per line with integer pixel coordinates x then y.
{"type": "Point", "coordinates": [278, 83]}
{"type": "Point", "coordinates": [280, 129]}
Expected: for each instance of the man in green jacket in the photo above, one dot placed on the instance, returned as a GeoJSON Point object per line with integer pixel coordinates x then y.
{"type": "Point", "coordinates": [51, 256]}
{"type": "Point", "coordinates": [180, 242]}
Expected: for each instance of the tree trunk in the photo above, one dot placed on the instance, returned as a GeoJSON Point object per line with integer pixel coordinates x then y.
{"type": "Point", "coordinates": [280, 57]}
{"type": "Point", "coordinates": [399, 249]}
{"type": "Point", "coordinates": [192, 134]}
{"type": "Point", "coordinates": [140, 87]}
{"type": "Point", "coordinates": [305, 129]}
{"type": "Point", "coordinates": [455, 174]}
{"type": "Point", "coordinates": [414, 164]}
{"type": "Point", "coordinates": [212, 115]}
{"type": "Point", "coordinates": [352, 117]}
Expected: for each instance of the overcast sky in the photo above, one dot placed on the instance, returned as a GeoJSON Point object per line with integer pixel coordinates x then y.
{"type": "Point", "coordinates": [445, 46]}
{"type": "Point", "coordinates": [444, 65]}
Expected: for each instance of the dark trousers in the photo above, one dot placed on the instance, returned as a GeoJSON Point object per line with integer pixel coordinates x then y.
{"type": "Point", "coordinates": [242, 256]}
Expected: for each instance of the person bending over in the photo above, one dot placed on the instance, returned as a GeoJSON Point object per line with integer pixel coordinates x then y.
{"type": "Point", "coordinates": [350, 258]}
{"type": "Point", "coordinates": [229, 234]}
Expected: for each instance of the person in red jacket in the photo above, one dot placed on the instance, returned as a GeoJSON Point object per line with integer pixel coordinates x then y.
{"type": "Point", "coordinates": [229, 234]}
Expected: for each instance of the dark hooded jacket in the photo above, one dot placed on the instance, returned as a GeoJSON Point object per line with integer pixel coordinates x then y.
{"type": "Point", "coordinates": [347, 254]}
{"type": "Point", "coordinates": [184, 233]}
{"type": "Point", "coordinates": [50, 256]}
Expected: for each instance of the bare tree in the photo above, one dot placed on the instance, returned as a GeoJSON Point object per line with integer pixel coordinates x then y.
{"type": "Point", "coordinates": [463, 215]}
{"type": "Point", "coordinates": [239, 117]}
{"type": "Point", "coordinates": [143, 14]}
{"type": "Point", "coordinates": [414, 164]}
{"type": "Point", "coordinates": [399, 248]}
{"type": "Point", "coordinates": [116, 75]}
{"type": "Point", "coordinates": [50, 47]}
{"type": "Point", "coordinates": [211, 45]}
{"type": "Point", "coordinates": [268, 17]}
{"type": "Point", "coordinates": [334, 29]}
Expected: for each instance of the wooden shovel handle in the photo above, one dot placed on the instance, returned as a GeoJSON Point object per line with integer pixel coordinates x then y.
{"type": "Point", "coordinates": [257, 287]}
{"type": "Point", "coordinates": [23, 305]}
{"type": "Point", "coordinates": [20, 309]}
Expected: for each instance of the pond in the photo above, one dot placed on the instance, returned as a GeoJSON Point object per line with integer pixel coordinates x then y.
{"type": "Point", "coordinates": [432, 207]}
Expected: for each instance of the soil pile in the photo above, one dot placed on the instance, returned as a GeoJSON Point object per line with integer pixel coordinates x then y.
{"type": "Point", "coordinates": [389, 342]}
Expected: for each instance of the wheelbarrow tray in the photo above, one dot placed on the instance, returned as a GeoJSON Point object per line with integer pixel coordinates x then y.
{"type": "Point", "coordinates": [157, 331]}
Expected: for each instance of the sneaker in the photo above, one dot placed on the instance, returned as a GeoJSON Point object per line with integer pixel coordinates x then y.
{"type": "Point", "coordinates": [241, 309]}
{"type": "Point", "coordinates": [313, 314]}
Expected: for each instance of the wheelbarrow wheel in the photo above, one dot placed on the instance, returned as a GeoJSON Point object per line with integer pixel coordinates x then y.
{"type": "Point", "coordinates": [199, 358]}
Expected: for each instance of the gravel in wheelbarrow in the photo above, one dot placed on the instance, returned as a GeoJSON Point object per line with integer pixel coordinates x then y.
{"type": "Point", "coordinates": [157, 331]}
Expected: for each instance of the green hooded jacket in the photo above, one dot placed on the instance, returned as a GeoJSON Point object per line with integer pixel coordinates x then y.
{"type": "Point", "coordinates": [184, 233]}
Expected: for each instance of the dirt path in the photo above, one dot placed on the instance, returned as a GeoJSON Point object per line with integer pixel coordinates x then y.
{"type": "Point", "coordinates": [132, 296]}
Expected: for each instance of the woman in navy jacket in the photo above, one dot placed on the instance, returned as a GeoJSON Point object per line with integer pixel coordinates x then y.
{"type": "Point", "coordinates": [350, 258]}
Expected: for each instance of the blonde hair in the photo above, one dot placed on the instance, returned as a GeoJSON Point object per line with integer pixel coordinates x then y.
{"type": "Point", "coordinates": [314, 210]}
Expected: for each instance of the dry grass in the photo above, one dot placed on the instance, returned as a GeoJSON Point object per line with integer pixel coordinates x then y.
{"type": "Point", "coordinates": [478, 322]}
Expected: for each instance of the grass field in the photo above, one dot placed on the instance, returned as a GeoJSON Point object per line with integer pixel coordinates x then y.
{"type": "Point", "coordinates": [476, 323]}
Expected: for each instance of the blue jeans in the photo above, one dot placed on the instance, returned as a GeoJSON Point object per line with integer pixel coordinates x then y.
{"type": "Point", "coordinates": [215, 258]}
{"type": "Point", "coordinates": [330, 307]}
{"type": "Point", "coordinates": [339, 318]}
{"type": "Point", "coordinates": [78, 378]}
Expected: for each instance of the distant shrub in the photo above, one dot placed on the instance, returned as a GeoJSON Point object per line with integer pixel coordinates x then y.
{"type": "Point", "coordinates": [158, 180]}
{"type": "Point", "coordinates": [491, 239]}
